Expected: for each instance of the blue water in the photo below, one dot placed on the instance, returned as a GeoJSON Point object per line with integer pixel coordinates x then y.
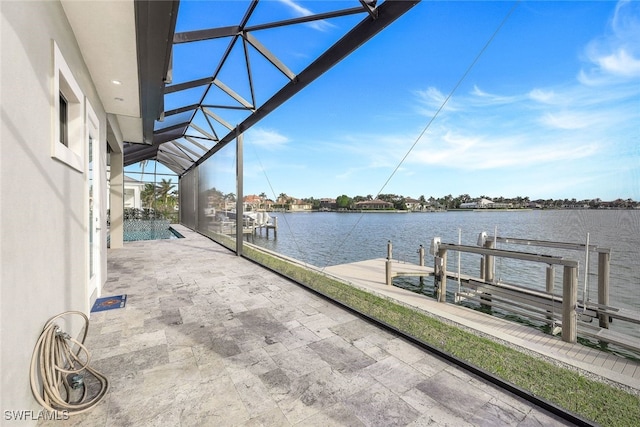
{"type": "Point", "coordinates": [148, 230]}
{"type": "Point", "coordinates": [329, 238]}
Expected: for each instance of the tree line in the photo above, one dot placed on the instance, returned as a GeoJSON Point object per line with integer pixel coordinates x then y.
{"type": "Point", "coordinates": [400, 202]}
{"type": "Point", "coordinates": [450, 202]}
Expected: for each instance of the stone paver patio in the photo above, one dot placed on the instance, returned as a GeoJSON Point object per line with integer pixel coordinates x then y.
{"type": "Point", "coordinates": [208, 338]}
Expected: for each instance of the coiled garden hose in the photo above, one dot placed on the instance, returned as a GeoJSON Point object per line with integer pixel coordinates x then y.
{"type": "Point", "coordinates": [56, 363]}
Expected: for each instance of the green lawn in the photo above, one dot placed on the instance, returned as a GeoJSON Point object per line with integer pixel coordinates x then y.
{"type": "Point", "coordinates": [599, 402]}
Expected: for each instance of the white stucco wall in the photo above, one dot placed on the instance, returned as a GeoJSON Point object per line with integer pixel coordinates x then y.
{"type": "Point", "coordinates": [42, 213]}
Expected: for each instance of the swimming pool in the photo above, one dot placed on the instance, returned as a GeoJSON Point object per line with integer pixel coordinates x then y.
{"type": "Point", "coordinates": [149, 230]}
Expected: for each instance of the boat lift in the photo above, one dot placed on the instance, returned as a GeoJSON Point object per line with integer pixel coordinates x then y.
{"type": "Point", "coordinates": [565, 313]}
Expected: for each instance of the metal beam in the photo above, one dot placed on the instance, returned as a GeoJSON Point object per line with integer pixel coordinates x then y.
{"type": "Point", "coordinates": [181, 110]}
{"type": "Point", "coordinates": [174, 150]}
{"type": "Point", "coordinates": [188, 150]}
{"type": "Point", "coordinates": [204, 132]}
{"type": "Point", "coordinates": [239, 195]}
{"type": "Point", "coordinates": [196, 143]}
{"type": "Point", "coordinates": [171, 163]}
{"type": "Point", "coordinates": [310, 18]}
{"type": "Point", "coordinates": [185, 164]}
{"type": "Point", "coordinates": [217, 118]}
{"type": "Point", "coordinates": [188, 85]}
{"type": "Point", "coordinates": [214, 141]}
{"type": "Point", "coordinates": [175, 169]}
{"type": "Point", "coordinates": [247, 64]}
{"type": "Point", "coordinates": [226, 89]}
{"type": "Point", "coordinates": [550, 244]}
{"type": "Point", "coordinates": [388, 12]}
{"type": "Point", "coordinates": [225, 107]}
{"type": "Point", "coordinates": [268, 55]}
{"type": "Point", "coordinates": [171, 128]}
{"type": "Point", "coordinates": [208, 34]}
{"type": "Point", "coordinates": [234, 30]}
{"type": "Point", "coordinates": [524, 256]}
{"type": "Point", "coordinates": [370, 7]}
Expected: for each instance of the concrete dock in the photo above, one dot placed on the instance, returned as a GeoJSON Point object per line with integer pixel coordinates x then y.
{"type": "Point", "coordinates": [370, 276]}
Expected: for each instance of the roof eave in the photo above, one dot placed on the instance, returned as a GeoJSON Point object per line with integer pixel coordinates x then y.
{"type": "Point", "coordinates": [155, 27]}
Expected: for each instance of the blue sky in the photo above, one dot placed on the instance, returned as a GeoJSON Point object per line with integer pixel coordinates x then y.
{"type": "Point", "coordinates": [549, 109]}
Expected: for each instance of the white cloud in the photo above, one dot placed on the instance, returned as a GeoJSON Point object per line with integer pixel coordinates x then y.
{"type": "Point", "coordinates": [266, 138]}
{"type": "Point", "coordinates": [621, 63]}
{"type": "Point", "coordinates": [483, 153]}
{"type": "Point", "coordinates": [566, 120]}
{"type": "Point", "coordinates": [320, 25]}
{"type": "Point", "coordinates": [433, 99]}
{"type": "Point", "coordinates": [485, 98]}
{"type": "Point", "coordinates": [617, 53]}
{"type": "Point", "coordinates": [543, 96]}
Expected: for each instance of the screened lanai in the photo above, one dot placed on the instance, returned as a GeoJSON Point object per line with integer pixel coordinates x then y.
{"type": "Point", "coordinates": [232, 63]}
{"type": "Point", "coordinates": [226, 66]}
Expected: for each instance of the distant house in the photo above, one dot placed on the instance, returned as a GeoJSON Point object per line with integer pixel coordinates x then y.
{"type": "Point", "coordinates": [374, 205]}
{"type": "Point", "coordinates": [252, 202]}
{"type": "Point", "coordinates": [485, 204]}
{"type": "Point", "coordinates": [478, 204]}
{"type": "Point", "coordinates": [133, 193]}
{"type": "Point", "coordinates": [327, 204]}
{"type": "Point", "coordinates": [298, 205]}
{"type": "Point", "coordinates": [412, 204]}
{"type": "Point", "coordinates": [267, 204]}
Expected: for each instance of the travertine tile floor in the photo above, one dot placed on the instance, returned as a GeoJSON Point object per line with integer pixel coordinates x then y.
{"type": "Point", "coordinates": [211, 339]}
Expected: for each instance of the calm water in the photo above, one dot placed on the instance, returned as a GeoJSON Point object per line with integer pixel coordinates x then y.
{"type": "Point", "coordinates": [148, 230]}
{"type": "Point", "coordinates": [329, 238]}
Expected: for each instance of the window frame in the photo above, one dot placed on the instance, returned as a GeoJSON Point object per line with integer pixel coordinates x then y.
{"type": "Point", "coordinates": [64, 85]}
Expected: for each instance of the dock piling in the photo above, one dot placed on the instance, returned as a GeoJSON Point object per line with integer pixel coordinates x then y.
{"type": "Point", "coordinates": [488, 262]}
{"type": "Point", "coordinates": [489, 271]}
{"type": "Point", "coordinates": [604, 262]}
{"type": "Point", "coordinates": [569, 304]}
{"type": "Point", "coordinates": [442, 260]}
{"type": "Point", "coordinates": [387, 264]}
{"type": "Point", "coordinates": [551, 277]}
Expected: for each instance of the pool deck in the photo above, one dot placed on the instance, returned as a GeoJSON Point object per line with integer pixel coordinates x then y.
{"type": "Point", "coordinates": [370, 276]}
{"type": "Point", "coordinates": [210, 338]}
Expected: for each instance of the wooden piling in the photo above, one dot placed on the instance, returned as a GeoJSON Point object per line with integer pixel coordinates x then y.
{"type": "Point", "coordinates": [488, 262]}
{"type": "Point", "coordinates": [387, 265]}
{"type": "Point", "coordinates": [275, 227]}
{"type": "Point", "coordinates": [551, 277]}
{"type": "Point", "coordinates": [604, 262]}
{"type": "Point", "coordinates": [569, 304]}
{"type": "Point", "coordinates": [442, 289]}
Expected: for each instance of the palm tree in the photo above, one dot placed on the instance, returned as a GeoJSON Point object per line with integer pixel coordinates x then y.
{"type": "Point", "coordinates": [164, 190]}
{"type": "Point", "coordinates": [148, 195]}
{"type": "Point", "coordinates": [143, 163]}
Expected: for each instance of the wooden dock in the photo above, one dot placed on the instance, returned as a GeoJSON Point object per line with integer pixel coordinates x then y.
{"type": "Point", "coordinates": [370, 275]}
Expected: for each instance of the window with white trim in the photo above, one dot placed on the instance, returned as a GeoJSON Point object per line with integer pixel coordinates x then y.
{"type": "Point", "coordinates": [68, 118]}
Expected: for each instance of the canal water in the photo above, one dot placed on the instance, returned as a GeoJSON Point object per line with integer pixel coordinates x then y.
{"type": "Point", "coordinates": [329, 238]}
